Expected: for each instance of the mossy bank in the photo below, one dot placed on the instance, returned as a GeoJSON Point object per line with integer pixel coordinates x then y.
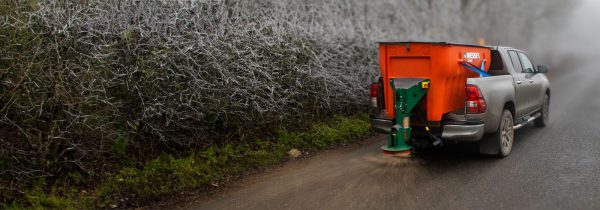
{"type": "Point", "coordinates": [168, 175]}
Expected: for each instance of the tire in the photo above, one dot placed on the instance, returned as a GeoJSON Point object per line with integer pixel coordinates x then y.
{"type": "Point", "coordinates": [542, 121]}
{"type": "Point", "coordinates": [500, 143]}
{"type": "Point", "coordinates": [506, 134]}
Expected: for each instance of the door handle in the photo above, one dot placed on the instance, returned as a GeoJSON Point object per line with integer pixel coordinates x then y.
{"type": "Point", "coordinates": [530, 81]}
{"type": "Point", "coordinates": [519, 82]}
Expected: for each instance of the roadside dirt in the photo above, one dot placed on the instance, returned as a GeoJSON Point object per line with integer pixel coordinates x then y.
{"type": "Point", "coordinates": [187, 199]}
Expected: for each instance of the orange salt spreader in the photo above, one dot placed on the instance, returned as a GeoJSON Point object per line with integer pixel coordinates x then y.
{"type": "Point", "coordinates": [428, 75]}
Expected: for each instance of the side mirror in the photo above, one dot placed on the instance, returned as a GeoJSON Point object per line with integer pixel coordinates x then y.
{"type": "Point", "coordinates": [542, 69]}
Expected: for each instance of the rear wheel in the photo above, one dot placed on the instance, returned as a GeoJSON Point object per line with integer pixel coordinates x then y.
{"type": "Point", "coordinates": [499, 143]}
{"type": "Point", "coordinates": [542, 121]}
{"type": "Point", "coordinates": [505, 134]}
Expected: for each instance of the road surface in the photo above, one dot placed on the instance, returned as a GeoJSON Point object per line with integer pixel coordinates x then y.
{"type": "Point", "coordinates": [556, 167]}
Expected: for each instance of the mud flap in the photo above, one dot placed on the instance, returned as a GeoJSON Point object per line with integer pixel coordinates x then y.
{"type": "Point", "coordinates": [489, 145]}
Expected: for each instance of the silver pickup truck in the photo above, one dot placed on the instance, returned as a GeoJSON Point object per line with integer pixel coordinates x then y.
{"type": "Point", "coordinates": [515, 93]}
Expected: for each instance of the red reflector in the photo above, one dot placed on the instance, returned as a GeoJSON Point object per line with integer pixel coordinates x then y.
{"type": "Point", "coordinates": [374, 90]}
{"type": "Point", "coordinates": [475, 103]}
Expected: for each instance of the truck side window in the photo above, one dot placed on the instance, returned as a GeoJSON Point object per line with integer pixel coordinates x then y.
{"type": "Point", "coordinates": [527, 65]}
{"type": "Point", "coordinates": [497, 65]}
{"type": "Point", "coordinates": [516, 62]}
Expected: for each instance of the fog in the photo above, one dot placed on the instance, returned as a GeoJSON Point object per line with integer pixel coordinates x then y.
{"type": "Point", "coordinates": [571, 40]}
{"type": "Point", "coordinates": [582, 29]}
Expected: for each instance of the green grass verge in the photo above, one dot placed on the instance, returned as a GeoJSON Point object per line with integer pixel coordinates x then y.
{"type": "Point", "coordinates": [168, 175]}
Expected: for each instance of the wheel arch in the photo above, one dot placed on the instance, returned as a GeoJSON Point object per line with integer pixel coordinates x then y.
{"type": "Point", "coordinates": [510, 106]}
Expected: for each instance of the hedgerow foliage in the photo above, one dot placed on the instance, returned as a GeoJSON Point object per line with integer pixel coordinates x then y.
{"type": "Point", "coordinates": [87, 82]}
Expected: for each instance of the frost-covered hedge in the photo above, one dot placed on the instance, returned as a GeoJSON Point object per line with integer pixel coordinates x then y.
{"type": "Point", "coordinates": [85, 82]}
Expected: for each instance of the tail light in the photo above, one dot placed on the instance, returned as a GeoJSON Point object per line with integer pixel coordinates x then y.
{"type": "Point", "coordinates": [374, 94]}
{"type": "Point", "coordinates": [475, 104]}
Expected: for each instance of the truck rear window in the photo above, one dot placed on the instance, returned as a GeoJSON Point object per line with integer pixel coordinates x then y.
{"type": "Point", "coordinates": [497, 65]}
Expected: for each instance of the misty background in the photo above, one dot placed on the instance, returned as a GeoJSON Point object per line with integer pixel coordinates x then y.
{"type": "Point", "coordinates": [569, 40]}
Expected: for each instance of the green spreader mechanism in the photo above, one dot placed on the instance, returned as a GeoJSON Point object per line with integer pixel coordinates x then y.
{"type": "Point", "coordinates": [408, 92]}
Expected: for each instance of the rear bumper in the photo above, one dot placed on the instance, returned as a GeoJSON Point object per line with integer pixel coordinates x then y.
{"type": "Point", "coordinates": [463, 132]}
{"type": "Point", "coordinates": [471, 131]}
